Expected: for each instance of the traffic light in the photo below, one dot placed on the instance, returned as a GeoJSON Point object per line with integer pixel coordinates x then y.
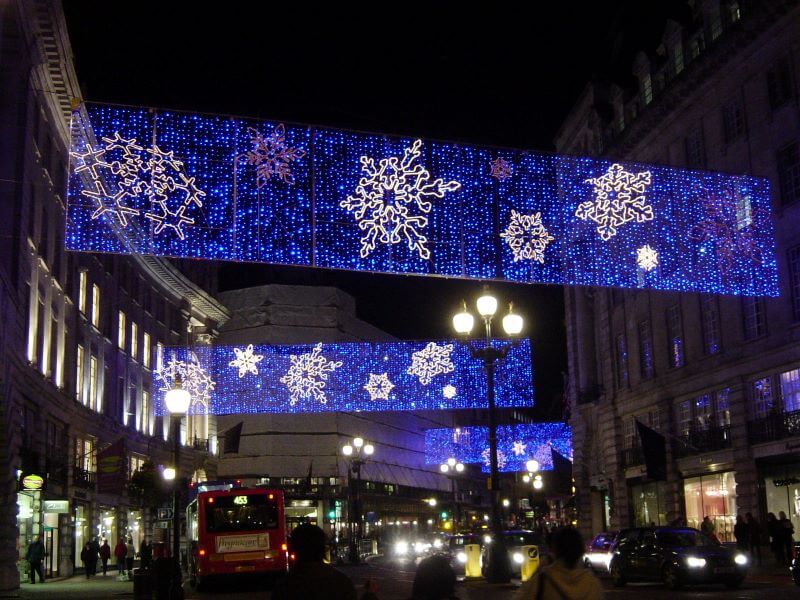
{"type": "Point", "coordinates": [332, 515]}
{"type": "Point", "coordinates": [444, 514]}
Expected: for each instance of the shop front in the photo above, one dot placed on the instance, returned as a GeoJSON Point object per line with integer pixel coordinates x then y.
{"type": "Point", "coordinates": [648, 503]}
{"type": "Point", "coordinates": [55, 521]}
{"type": "Point", "coordinates": [712, 495]}
{"type": "Point", "coordinates": [781, 489]}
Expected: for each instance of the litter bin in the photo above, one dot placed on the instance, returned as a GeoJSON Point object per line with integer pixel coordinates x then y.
{"type": "Point", "coordinates": [530, 562]}
{"type": "Point", "coordinates": [473, 566]}
{"type": "Point", "coordinates": [142, 584]}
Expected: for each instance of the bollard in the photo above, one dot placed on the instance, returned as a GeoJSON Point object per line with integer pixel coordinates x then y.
{"type": "Point", "coordinates": [530, 562]}
{"type": "Point", "coordinates": [472, 568]}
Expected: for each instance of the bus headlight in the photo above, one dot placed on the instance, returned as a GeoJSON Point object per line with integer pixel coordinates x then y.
{"type": "Point", "coordinates": [518, 558]}
{"type": "Point", "coordinates": [740, 559]}
{"type": "Point", "coordinates": [695, 562]}
{"type": "Point", "coordinates": [462, 557]}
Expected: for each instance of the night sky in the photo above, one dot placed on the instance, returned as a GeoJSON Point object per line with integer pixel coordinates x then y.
{"type": "Point", "coordinates": [488, 73]}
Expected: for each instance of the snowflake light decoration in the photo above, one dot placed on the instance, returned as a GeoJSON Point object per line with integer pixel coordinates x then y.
{"type": "Point", "coordinates": [272, 155]}
{"type": "Point", "coordinates": [246, 361]}
{"type": "Point", "coordinates": [392, 199]}
{"type": "Point", "coordinates": [618, 199]}
{"type": "Point", "coordinates": [527, 237]}
{"type": "Point", "coordinates": [194, 378]}
{"type": "Point", "coordinates": [378, 386]}
{"type": "Point", "coordinates": [518, 448]}
{"type": "Point", "coordinates": [647, 258]}
{"type": "Point", "coordinates": [136, 172]}
{"type": "Point", "coordinates": [449, 392]}
{"type": "Point", "coordinates": [501, 169]}
{"type": "Point", "coordinates": [431, 361]}
{"type": "Point", "coordinates": [486, 455]}
{"type": "Point", "coordinates": [307, 375]}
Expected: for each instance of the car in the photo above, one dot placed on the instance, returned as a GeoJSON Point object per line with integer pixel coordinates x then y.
{"type": "Point", "coordinates": [514, 540]}
{"type": "Point", "coordinates": [676, 556]}
{"type": "Point", "coordinates": [598, 551]}
{"type": "Point", "coordinates": [454, 549]}
{"type": "Point", "coordinates": [795, 568]}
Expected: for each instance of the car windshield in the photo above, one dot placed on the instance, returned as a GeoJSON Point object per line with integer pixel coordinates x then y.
{"type": "Point", "coordinates": [240, 513]}
{"type": "Point", "coordinates": [521, 539]}
{"type": "Point", "coordinates": [683, 539]}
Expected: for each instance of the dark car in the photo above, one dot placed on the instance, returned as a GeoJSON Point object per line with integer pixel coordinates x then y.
{"type": "Point", "coordinates": [514, 540]}
{"type": "Point", "coordinates": [599, 551]}
{"type": "Point", "coordinates": [795, 568]}
{"type": "Point", "coordinates": [454, 549]}
{"type": "Point", "coordinates": [676, 556]}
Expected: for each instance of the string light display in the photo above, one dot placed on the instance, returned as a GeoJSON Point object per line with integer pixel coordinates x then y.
{"type": "Point", "coordinates": [517, 444]}
{"type": "Point", "coordinates": [346, 377]}
{"type": "Point", "coordinates": [198, 186]}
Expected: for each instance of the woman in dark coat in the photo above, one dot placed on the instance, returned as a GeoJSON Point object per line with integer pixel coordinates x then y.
{"type": "Point", "coordinates": [775, 538]}
{"type": "Point", "coordinates": [741, 532]}
{"type": "Point", "coordinates": [89, 559]}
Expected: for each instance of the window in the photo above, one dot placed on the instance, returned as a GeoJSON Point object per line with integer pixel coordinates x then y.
{"type": "Point", "coordinates": [762, 397]}
{"type": "Point", "coordinates": [629, 434]}
{"type": "Point", "coordinates": [647, 89]}
{"type": "Point", "coordinates": [93, 383]}
{"type": "Point", "coordinates": [794, 280]}
{"type": "Point", "coordinates": [703, 412]}
{"type": "Point", "coordinates": [710, 316]}
{"type": "Point", "coordinates": [712, 496]}
{"type": "Point", "coordinates": [732, 121]}
{"type": "Point", "coordinates": [622, 362]}
{"type": "Point", "coordinates": [722, 407]}
{"type": "Point", "coordinates": [135, 463]}
{"type": "Point", "coordinates": [734, 12]}
{"type": "Point", "coordinates": [134, 340]}
{"type": "Point", "coordinates": [79, 376]}
{"type": "Point", "coordinates": [96, 306]}
{"type": "Point", "coordinates": [790, 390]}
{"type": "Point", "coordinates": [779, 83]}
{"type": "Point", "coordinates": [789, 173]}
{"type": "Point", "coordinates": [85, 457]}
{"type": "Point", "coordinates": [695, 152]}
{"type": "Point", "coordinates": [82, 292]}
{"type": "Point", "coordinates": [677, 59]}
{"type": "Point", "coordinates": [159, 356]}
{"type": "Point", "coordinates": [685, 417]}
{"type": "Point", "coordinates": [675, 336]}
{"type": "Point", "coordinates": [144, 422]}
{"type": "Point", "coordinates": [146, 350]}
{"type": "Point", "coordinates": [645, 350]}
{"type": "Point", "coordinates": [755, 319]}
{"type": "Point", "coordinates": [121, 331]}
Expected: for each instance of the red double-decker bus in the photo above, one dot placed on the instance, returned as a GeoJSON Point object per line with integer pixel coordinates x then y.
{"type": "Point", "coordinates": [236, 530]}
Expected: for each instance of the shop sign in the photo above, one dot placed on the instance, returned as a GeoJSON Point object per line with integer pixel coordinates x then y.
{"type": "Point", "coordinates": [163, 524]}
{"type": "Point", "coordinates": [56, 506]}
{"type": "Point", "coordinates": [32, 482]}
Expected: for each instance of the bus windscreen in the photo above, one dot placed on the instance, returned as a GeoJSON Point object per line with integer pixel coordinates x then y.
{"type": "Point", "coordinates": [240, 513]}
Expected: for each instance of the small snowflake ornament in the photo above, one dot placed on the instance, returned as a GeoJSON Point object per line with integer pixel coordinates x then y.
{"type": "Point", "coordinates": [378, 386]}
{"type": "Point", "coordinates": [646, 258]}
{"type": "Point", "coordinates": [431, 361]}
{"type": "Point", "coordinates": [194, 379]}
{"type": "Point", "coordinates": [527, 237]}
{"type": "Point", "coordinates": [307, 375]}
{"type": "Point", "coordinates": [501, 169]}
{"type": "Point", "coordinates": [618, 199]}
{"type": "Point", "coordinates": [272, 155]}
{"type": "Point", "coordinates": [449, 392]}
{"type": "Point", "coordinates": [518, 448]}
{"type": "Point", "coordinates": [501, 458]}
{"type": "Point", "coordinates": [246, 361]}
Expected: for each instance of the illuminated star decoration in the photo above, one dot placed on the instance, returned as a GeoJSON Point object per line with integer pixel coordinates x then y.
{"type": "Point", "coordinates": [527, 236]}
{"type": "Point", "coordinates": [501, 169]}
{"type": "Point", "coordinates": [618, 199]}
{"type": "Point", "coordinates": [646, 258]}
{"type": "Point", "coordinates": [271, 155]}
{"type": "Point", "coordinates": [486, 455]}
{"type": "Point", "coordinates": [194, 379]}
{"type": "Point", "coordinates": [431, 361]}
{"type": "Point", "coordinates": [307, 375]}
{"type": "Point", "coordinates": [246, 361]}
{"type": "Point", "coordinates": [449, 392]}
{"type": "Point", "coordinates": [518, 448]}
{"type": "Point", "coordinates": [378, 386]}
{"type": "Point", "coordinates": [392, 199]}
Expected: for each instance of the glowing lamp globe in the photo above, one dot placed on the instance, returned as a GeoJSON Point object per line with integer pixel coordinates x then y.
{"type": "Point", "coordinates": [487, 305]}
{"type": "Point", "coordinates": [459, 467]}
{"type": "Point", "coordinates": [444, 468]}
{"type": "Point", "coordinates": [463, 321]}
{"type": "Point", "coordinates": [537, 484]}
{"type": "Point", "coordinates": [369, 449]}
{"type": "Point", "coordinates": [347, 450]}
{"type": "Point", "coordinates": [451, 462]}
{"type": "Point", "coordinates": [532, 466]}
{"type": "Point", "coordinates": [177, 400]}
{"type": "Point", "coordinates": [168, 473]}
{"type": "Point", "coordinates": [358, 442]}
{"type": "Point", "coordinates": [512, 324]}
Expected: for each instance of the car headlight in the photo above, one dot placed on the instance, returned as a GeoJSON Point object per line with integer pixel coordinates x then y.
{"type": "Point", "coordinates": [695, 562]}
{"type": "Point", "coordinates": [401, 547]}
{"type": "Point", "coordinates": [437, 544]}
{"type": "Point", "coordinates": [740, 559]}
{"type": "Point", "coordinates": [518, 558]}
{"type": "Point", "coordinates": [462, 557]}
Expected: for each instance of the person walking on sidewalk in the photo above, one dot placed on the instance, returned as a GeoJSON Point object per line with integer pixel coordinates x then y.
{"type": "Point", "coordinates": [120, 550]}
{"type": "Point", "coordinates": [34, 555]}
{"type": "Point", "coordinates": [145, 553]}
{"type": "Point", "coordinates": [754, 536]}
{"type": "Point", "coordinates": [775, 539]}
{"type": "Point", "coordinates": [129, 556]}
{"type": "Point", "coordinates": [89, 559]}
{"type": "Point", "coordinates": [105, 554]}
{"type": "Point", "coordinates": [787, 539]}
{"type": "Point", "coordinates": [741, 532]}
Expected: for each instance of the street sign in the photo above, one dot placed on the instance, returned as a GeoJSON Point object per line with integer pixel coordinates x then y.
{"type": "Point", "coordinates": [165, 513]}
{"type": "Point", "coordinates": [163, 524]}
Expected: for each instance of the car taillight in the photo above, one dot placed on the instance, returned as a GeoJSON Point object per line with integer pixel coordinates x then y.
{"type": "Point", "coordinates": [284, 547]}
{"type": "Point", "coordinates": [292, 556]}
{"type": "Point", "coordinates": [201, 552]}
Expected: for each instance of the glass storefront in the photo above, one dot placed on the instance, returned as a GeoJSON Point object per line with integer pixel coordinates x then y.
{"type": "Point", "coordinates": [782, 488]}
{"type": "Point", "coordinates": [648, 503]}
{"type": "Point", "coordinates": [28, 525]}
{"type": "Point", "coordinates": [714, 496]}
{"type": "Point", "coordinates": [83, 531]}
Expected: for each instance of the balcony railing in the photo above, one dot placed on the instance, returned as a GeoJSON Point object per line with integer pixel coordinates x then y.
{"type": "Point", "coordinates": [774, 427]}
{"type": "Point", "coordinates": [200, 444]}
{"type": "Point", "coordinates": [631, 457]}
{"type": "Point", "coordinates": [56, 469]}
{"type": "Point", "coordinates": [699, 441]}
{"type": "Point", "coordinates": [83, 478]}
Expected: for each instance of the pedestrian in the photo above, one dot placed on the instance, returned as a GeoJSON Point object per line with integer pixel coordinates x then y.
{"type": "Point", "coordinates": [120, 550]}
{"type": "Point", "coordinates": [754, 536]}
{"type": "Point", "coordinates": [129, 556]}
{"type": "Point", "coordinates": [707, 526]}
{"type": "Point", "coordinates": [34, 555]}
{"type": "Point", "coordinates": [310, 578]}
{"type": "Point", "coordinates": [566, 578]}
{"type": "Point", "coordinates": [434, 580]}
{"type": "Point", "coordinates": [741, 531]}
{"type": "Point", "coordinates": [105, 554]}
{"type": "Point", "coordinates": [145, 554]}
{"type": "Point", "coordinates": [775, 539]}
{"type": "Point", "coordinates": [787, 536]}
{"type": "Point", "coordinates": [96, 549]}
{"type": "Point", "coordinates": [89, 559]}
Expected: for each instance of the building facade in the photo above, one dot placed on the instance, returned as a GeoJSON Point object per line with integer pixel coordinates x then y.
{"type": "Point", "coordinates": [718, 377]}
{"type": "Point", "coordinates": [80, 334]}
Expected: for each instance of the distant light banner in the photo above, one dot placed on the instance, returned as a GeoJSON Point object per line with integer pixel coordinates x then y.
{"type": "Point", "coordinates": [202, 186]}
{"type": "Point", "coordinates": [357, 376]}
{"type": "Point", "coordinates": [516, 445]}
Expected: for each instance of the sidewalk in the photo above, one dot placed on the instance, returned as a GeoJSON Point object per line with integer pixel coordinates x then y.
{"type": "Point", "coordinates": [79, 587]}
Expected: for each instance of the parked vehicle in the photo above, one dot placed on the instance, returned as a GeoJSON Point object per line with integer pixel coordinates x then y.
{"type": "Point", "coordinates": [676, 556]}
{"type": "Point", "coordinates": [454, 549]}
{"type": "Point", "coordinates": [795, 568]}
{"type": "Point", "coordinates": [599, 551]}
{"type": "Point", "coordinates": [514, 540]}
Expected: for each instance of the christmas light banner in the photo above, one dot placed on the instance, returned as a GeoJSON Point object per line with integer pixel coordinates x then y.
{"type": "Point", "coordinates": [516, 445]}
{"type": "Point", "coordinates": [188, 185]}
{"type": "Point", "coordinates": [355, 376]}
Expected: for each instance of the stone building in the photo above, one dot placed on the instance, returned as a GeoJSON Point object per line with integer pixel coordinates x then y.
{"type": "Point", "coordinates": [718, 377]}
{"type": "Point", "coordinates": [80, 334]}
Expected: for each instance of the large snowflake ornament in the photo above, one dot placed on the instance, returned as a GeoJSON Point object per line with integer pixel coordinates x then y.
{"type": "Point", "coordinates": [518, 448]}
{"type": "Point", "coordinates": [272, 155]}
{"type": "Point", "coordinates": [501, 169]}
{"type": "Point", "coordinates": [378, 386]}
{"type": "Point", "coordinates": [502, 459]}
{"type": "Point", "coordinates": [194, 379]}
{"type": "Point", "coordinates": [618, 199]}
{"type": "Point", "coordinates": [307, 375]}
{"type": "Point", "coordinates": [392, 199]}
{"type": "Point", "coordinates": [647, 258]}
{"type": "Point", "coordinates": [449, 392]}
{"type": "Point", "coordinates": [527, 237]}
{"type": "Point", "coordinates": [246, 361]}
{"type": "Point", "coordinates": [431, 361]}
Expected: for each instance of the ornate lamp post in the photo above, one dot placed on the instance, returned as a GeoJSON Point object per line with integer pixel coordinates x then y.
{"type": "Point", "coordinates": [533, 477]}
{"type": "Point", "coordinates": [452, 469]}
{"type": "Point", "coordinates": [498, 568]}
{"type": "Point", "coordinates": [177, 400]}
{"type": "Point", "coordinates": [357, 454]}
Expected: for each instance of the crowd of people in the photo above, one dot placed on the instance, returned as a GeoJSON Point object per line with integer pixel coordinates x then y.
{"type": "Point", "coordinates": [750, 536]}
{"type": "Point", "coordinates": [124, 553]}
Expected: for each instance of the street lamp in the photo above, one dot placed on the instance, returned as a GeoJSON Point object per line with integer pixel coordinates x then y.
{"type": "Point", "coordinates": [177, 400]}
{"type": "Point", "coordinates": [498, 569]}
{"type": "Point", "coordinates": [357, 452]}
{"type": "Point", "coordinates": [452, 469]}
